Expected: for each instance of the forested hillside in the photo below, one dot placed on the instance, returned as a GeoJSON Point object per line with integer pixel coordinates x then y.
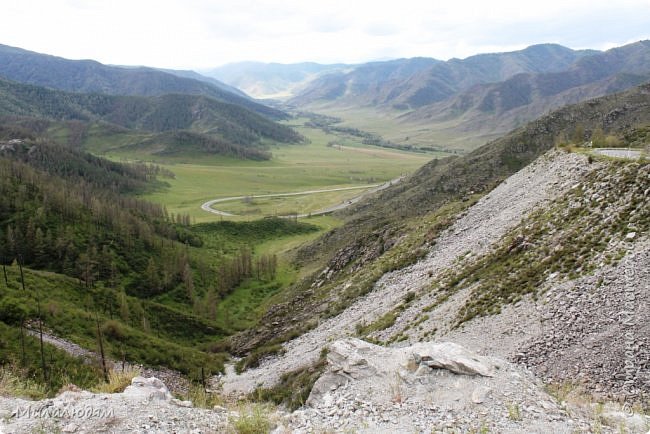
{"type": "Point", "coordinates": [230, 127]}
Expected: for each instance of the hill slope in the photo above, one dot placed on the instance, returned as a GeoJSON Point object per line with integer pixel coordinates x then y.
{"type": "Point", "coordinates": [90, 76]}
{"type": "Point", "coordinates": [227, 122]}
{"type": "Point", "coordinates": [493, 109]}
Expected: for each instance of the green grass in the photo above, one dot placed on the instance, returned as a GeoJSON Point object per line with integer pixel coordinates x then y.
{"type": "Point", "coordinates": [386, 123]}
{"type": "Point", "coordinates": [295, 386]}
{"type": "Point", "coordinates": [302, 204]}
{"type": "Point", "coordinates": [293, 168]}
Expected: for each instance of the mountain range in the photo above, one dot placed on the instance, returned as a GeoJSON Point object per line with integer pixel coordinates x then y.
{"type": "Point", "coordinates": [90, 76]}
{"type": "Point", "coordinates": [460, 103]}
{"type": "Point", "coordinates": [158, 112]}
{"type": "Point", "coordinates": [412, 83]}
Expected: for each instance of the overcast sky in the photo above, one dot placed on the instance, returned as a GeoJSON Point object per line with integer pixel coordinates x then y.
{"type": "Point", "coordinates": [195, 34]}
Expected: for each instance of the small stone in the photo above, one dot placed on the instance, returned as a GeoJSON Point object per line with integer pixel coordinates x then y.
{"type": "Point", "coordinates": [480, 394]}
{"type": "Point", "coordinates": [71, 427]}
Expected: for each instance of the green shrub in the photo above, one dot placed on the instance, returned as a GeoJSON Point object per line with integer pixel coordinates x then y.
{"type": "Point", "coordinates": [12, 310]}
{"type": "Point", "coordinates": [253, 419]}
{"type": "Point", "coordinates": [112, 329]}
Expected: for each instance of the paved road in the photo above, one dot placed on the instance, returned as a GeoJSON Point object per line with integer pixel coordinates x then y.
{"type": "Point", "coordinates": [631, 154]}
{"type": "Point", "coordinates": [373, 188]}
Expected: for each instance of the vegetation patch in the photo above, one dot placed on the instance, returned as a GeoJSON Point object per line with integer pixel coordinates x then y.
{"type": "Point", "coordinates": [294, 387]}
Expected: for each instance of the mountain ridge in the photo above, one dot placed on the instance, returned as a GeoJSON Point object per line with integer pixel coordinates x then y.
{"type": "Point", "coordinates": [431, 80]}
{"type": "Point", "coordinates": [210, 125]}
{"type": "Point", "coordinates": [90, 76]}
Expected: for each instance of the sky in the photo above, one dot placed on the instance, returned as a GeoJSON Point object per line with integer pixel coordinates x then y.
{"type": "Point", "coordinates": [201, 34]}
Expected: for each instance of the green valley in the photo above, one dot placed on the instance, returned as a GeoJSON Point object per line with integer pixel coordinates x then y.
{"type": "Point", "coordinates": [309, 166]}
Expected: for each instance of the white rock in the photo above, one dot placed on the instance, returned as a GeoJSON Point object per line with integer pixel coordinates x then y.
{"type": "Point", "coordinates": [147, 388]}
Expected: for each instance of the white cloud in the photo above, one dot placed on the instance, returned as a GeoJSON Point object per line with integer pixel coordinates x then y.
{"type": "Point", "coordinates": [204, 33]}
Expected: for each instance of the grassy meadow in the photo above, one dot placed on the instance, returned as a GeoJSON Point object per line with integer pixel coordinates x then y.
{"type": "Point", "coordinates": [442, 134]}
{"type": "Point", "coordinates": [293, 168]}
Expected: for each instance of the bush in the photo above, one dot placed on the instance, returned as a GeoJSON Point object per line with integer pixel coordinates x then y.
{"type": "Point", "coordinates": [113, 330]}
{"type": "Point", "coordinates": [117, 381]}
{"type": "Point", "coordinates": [15, 382]}
{"type": "Point", "coordinates": [12, 311]}
{"type": "Point", "coordinates": [201, 398]}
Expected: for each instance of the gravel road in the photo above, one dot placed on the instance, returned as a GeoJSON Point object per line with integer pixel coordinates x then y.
{"type": "Point", "coordinates": [373, 188]}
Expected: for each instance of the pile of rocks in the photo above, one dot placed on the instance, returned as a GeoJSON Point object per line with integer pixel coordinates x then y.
{"type": "Point", "coordinates": [596, 330]}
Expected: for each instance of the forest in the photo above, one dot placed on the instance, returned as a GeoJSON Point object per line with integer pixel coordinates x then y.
{"type": "Point", "coordinates": [150, 279]}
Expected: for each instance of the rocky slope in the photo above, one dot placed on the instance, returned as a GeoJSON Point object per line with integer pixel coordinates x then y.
{"type": "Point", "coordinates": [482, 226]}
{"type": "Point", "coordinates": [433, 388]}
{"type": "Point", "coordinates": [578, 321]}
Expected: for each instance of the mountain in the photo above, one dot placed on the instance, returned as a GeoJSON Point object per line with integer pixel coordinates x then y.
{"type": "Point", "coordinates": [461, 104]}
{"type": "Point", "coordinates": [167, 113]}
{"type": "Point", "coordinates": [492, 109]}
{"type": "Point", "coordinates": [408, 83]}
{"type": "Point", "coordinates": [89, 76]}
{"type": "Point", "coordinates": [271, 80]}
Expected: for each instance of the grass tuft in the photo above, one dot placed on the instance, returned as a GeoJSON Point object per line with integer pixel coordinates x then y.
{"type": "Point", "coordinates": [252, 419]}
{"type": "Point", "coordinates": [117, 381]}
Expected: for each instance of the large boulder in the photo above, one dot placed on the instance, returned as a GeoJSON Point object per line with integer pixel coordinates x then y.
{"type": "Point", "coordinates": [352, 359]}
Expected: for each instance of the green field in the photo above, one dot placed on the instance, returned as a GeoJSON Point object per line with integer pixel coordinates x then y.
{"type": "Point", "coordinates": [293, 168]}
{"type": "Point", "coordinates": [443, 134]}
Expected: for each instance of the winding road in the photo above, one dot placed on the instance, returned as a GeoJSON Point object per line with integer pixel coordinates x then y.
{"type": "Point", "coordinates": [373, 188]}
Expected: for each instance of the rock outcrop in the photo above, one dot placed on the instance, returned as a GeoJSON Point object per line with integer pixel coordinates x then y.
{"type": "Point", "coordinates": [431, 387]}
{"type": "Point", "coordinates": [353, 359]}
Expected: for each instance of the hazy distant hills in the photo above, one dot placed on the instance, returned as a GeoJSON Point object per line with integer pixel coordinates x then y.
{"type": "Point", "coordinates": [89, 76]}
{"type": "Point", "coordinates": [498, 107]}
{"type": "Point", "coordinates": [412, 83]}
{"type": "Point", "coordinates": [186, 73]}
{"type": "Point", "coordinates": [272, 80]}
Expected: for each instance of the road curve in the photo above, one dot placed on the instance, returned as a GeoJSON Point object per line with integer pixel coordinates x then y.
{"type": "Point", "coordinates": [631, 154]}
{"type": "Point", "coordinates": [372, 188]}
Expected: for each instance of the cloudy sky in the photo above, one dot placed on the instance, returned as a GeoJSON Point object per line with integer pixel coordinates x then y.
{"type": "Point", "coordinates": [206, 33]}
